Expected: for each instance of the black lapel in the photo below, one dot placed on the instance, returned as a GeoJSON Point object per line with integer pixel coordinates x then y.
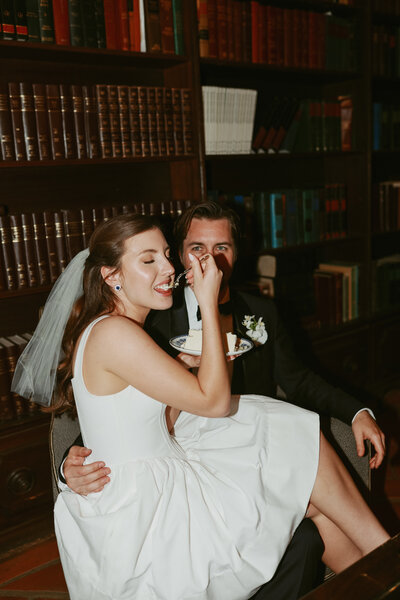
{"type": "Point", "coordinates": [249, 366]}
{"type": "Point", "coordinates": [178, 314]}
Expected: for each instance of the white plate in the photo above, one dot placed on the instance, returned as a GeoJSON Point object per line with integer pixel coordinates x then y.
{"type": "Point", "coordinates": [178, 341]}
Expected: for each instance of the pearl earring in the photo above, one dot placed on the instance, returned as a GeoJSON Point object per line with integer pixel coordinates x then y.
{"type": "Point", "coordinates": [117, 287]}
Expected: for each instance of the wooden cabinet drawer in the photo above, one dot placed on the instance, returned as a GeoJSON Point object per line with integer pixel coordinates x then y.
{"type": "Point", "coordinates": [25, 476]}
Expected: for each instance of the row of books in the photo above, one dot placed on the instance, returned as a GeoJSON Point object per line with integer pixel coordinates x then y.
{"type": "Point", "coordinates": [289, 217]}
{"type": "Point", "coordinates": [35, 247]}
{"type": "Point", "coordinates": [386, 206]}
{"type": "Point", "coordinates": [58, 121]}
{"type": "Point", "coordinates": [336, 287]}
{"type": "Point", "coordinates": [385, 126]}
{"type": "Point", "coordinates": [13, 406]}
{"type": "Point", "coordinates": [387, 7]}
{"type": "Point", "coordinates": [242, 31]}
{"type": "Point", "coordinates": [228, 119]}
{"type": "Point", "coordinates": [386, 283]}
{"type": "Point", "coordinates": [132, 25]}
{"type": "Point", "coordinates": [386, 50]}
{"type": "Point", "coordinates": [307, 125]}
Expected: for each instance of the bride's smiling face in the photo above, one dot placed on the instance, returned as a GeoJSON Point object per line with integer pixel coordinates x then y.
{"type": "Point", "coordinates": [145, 272]}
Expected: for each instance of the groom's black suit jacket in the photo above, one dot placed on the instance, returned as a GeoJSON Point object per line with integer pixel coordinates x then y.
{"type": "Point", "coordinates": [266, 366]}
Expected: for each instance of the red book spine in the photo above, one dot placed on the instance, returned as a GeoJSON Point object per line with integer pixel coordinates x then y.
{"type": "Point", "coordinates": [313, 48]}
{"type": "Point", "coordinates": [222, 30]}
{"type": "Point", "coordinates": [110, 23]}
{"type": "Point", "coordinates": [136, 25]}
{"type": "Point", "coordinates": [202, 19]}
{"type": "Point", "coordinates": [304, 36]}
{"type": "Point", "coordinates": [229, 27]}
{"type": "Point", "coordinates": [237, 30]}
{"type": "Point", "coordinates": [167, 27]}
{"type": "Point", "coordinates": [296, 60]}
{"type": "Point", "coordinates": [121, 18]}
{"type": "Point", "coordinates": [246, 31]}
{"type": "Point", "coordinates": [61, 22]}
{"type": "Point", "coordinates": [271, 35]}
{"type": "Point", "coordinates": [255, 20]}
{"type": "Point", "coordinates": [152, 25]}
{"type": "Point", "coordinates": [262, 34]}
{"type": "Point", "coordinates": [212, 28]}
{"type": "Point", "coordinates": [279, 36]}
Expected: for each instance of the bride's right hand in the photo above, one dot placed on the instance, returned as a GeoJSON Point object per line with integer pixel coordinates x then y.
{"type": "Point", "coordinates": [205, 279]}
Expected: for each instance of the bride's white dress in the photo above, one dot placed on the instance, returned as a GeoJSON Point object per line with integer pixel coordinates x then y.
{"type": "Point", "coordinates": [206, 514]}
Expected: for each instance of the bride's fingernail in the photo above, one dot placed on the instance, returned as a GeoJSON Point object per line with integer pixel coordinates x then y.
{"type": "Point", "coordinates": [191, 257]}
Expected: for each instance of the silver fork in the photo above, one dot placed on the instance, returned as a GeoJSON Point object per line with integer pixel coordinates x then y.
{"type": "Point", "coordinates": [174, 284]}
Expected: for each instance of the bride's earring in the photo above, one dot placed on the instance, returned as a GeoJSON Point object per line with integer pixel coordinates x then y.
{"type": "Point", "coordinates": [117, 287]}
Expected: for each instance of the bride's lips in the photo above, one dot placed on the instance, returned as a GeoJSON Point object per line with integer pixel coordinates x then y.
{"type": "Point", "coordinates": [163, 288]}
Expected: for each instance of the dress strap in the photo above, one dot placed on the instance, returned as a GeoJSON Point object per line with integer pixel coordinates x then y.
{"type": "Point", "coordinates": [81, 346]}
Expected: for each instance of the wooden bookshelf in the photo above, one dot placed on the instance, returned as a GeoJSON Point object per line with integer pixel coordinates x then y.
{"type": "Point", "coordinates": [359, 354]}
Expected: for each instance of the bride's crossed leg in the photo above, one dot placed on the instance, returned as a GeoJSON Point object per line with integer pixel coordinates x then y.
{"type": "Point", "coordinates": [347, 526]}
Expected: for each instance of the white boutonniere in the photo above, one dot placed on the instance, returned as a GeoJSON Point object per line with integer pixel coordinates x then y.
{"type": "Point", "coordinates": [255, 329]}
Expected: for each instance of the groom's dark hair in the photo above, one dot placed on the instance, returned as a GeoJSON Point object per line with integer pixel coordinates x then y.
{"type": "Point", "coordinates": [206, 210]}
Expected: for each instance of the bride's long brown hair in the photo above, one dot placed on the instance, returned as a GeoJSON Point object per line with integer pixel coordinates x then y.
{"type": "Point", "coordinates": [106, 248]}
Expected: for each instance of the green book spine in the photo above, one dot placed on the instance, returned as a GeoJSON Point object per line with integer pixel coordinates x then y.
{"type": "Point", "coordinates": [75, 23]}
{"type": "Point", "coordinates": [46, 22]}
{"type": "Point", "coordinates": [177, 13]}
{"type": "Point", "coordinates": [32, 18]}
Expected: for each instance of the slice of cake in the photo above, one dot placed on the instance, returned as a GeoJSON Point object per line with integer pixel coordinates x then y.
{"type": "Point", "coordinates": [194, 341]}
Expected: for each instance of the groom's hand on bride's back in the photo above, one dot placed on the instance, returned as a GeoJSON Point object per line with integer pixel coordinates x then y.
{"type": "Point", "coordinates": [84, 479]}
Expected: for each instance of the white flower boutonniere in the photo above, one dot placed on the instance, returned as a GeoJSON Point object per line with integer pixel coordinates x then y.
{"type": "Point", "coordinates": [255, 329]}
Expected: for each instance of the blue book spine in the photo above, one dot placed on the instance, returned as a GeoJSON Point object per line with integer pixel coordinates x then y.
{"type": "Point", "coordinates": [307, 215]}
{"type": "Point", "coordinates": [276, 206]}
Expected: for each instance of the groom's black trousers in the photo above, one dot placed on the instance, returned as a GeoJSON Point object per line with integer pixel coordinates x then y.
{"type": "Point", "coordinates": [300, 568]}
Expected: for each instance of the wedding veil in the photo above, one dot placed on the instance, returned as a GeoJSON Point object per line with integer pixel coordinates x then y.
{"type": "Point", "coordinates": [36, 369]}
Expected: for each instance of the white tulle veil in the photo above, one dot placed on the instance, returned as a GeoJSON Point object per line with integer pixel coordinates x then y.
{"type": "Point", "coordinates": [36, 369]}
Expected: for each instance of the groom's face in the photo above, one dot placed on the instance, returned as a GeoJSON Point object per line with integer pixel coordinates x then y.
{"type": "Point", "coordinates": [206, 236]}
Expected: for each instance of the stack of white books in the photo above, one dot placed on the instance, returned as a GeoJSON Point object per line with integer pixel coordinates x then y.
{"type": "Point", "coordinates": [228, 119]}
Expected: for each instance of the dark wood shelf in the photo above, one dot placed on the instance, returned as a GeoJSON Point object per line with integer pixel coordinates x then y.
{"type": "Point", "coordinates": [87, 56]}
{"type": "Point", "coordinates": [44, 289]}
{"type": "Point", "coordinates": [245, 71]}
{"type": "Point", "coordinates": [84, 162]}
{"type": "Point", "coordinates": [279, 156]}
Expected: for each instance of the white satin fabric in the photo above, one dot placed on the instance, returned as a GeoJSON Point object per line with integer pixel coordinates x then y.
{"type": "Point", "coordinates": [204, 515]}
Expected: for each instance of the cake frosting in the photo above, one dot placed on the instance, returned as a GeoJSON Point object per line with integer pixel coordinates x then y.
{"type": "Point", "coordinates": [194, 340]}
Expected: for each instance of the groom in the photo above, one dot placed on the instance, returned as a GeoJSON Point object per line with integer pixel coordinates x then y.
{"type": "Point", "coordinates": [210, 228]}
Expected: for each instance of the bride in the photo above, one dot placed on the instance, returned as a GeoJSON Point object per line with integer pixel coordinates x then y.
{"type": "Point", "coordinates": [209, 517]}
